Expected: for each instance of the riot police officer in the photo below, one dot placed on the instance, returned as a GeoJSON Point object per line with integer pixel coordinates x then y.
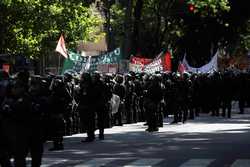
{"type": "Point", "coordinates": [102, 95]}
{"type": "Point", "coordinates": [86, 101]}
{"type": "Point", "coordinates": [153, 97]}
{"type": "Point", "coordinates": [119, 90]}
{"type": "Point", "coordinates": [4, 89]}
{"type": "Point", "coordinates": [68, 115]}
{"type": "Point", "coordinates": [18, 120]}
{"type": "Point", "coordinates": [39, 98]}
{"type": "Point", "coordinates": [58, 103]}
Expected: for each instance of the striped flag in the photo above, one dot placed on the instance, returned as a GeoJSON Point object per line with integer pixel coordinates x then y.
{"type": "Point", "coordinates": [181, 68]}
{"type": "Point", "coordinates": [61, 48]}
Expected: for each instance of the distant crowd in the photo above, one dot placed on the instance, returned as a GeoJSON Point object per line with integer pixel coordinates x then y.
{"type": "Point", "coordinates": [35, 109]}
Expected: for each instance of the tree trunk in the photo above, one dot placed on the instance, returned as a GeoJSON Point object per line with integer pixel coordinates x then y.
{"type": "Point", "coordinates": [137, 21]}
{"type": "Point", "coordinates": [126, 49]}
{"type": "Point", "coordinates": [157, 44]}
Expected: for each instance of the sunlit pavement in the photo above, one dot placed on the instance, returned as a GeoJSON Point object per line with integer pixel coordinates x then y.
{"type": "Point", "coordinates": [205, 141]}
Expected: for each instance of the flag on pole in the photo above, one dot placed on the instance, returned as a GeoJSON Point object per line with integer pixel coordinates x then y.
{"type": "Point", "coordinates": [61, 48]}
{"type": "Point", "coordinates": [181, 68]}
{"type": "Point", "coordinates": [161, 63]}
{"type": "Point", "coordinates": [167, 62]}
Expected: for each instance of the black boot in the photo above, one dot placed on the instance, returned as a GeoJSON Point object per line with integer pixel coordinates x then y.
{"type": "Point", "coordinates": [101, 136]}
{"type": "Point", "coordinates": [88, 139]}
{"type": "Point", "coordinates": [57, 147]}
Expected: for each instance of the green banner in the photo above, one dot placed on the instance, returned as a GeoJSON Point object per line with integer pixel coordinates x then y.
{"type": "Point", "coordinates": [67, 64]}
{"type": "Point", "coordinates": [78, 63]}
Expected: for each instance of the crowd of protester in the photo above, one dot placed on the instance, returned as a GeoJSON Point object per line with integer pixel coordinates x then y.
{"type": "Point", "coordinates": [36, 109]}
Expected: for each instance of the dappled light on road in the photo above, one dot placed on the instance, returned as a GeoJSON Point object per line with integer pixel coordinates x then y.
{"type": "Point", "coordinates": [205, 136]}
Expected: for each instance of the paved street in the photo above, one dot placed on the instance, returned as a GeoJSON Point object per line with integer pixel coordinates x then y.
{"type": "Point", "coordinates": [204, 142]}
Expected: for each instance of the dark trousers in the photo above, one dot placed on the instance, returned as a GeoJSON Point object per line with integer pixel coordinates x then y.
{"type": "Point", "coordinates": [23, 139]}
{"type": "Point", "coordinates": [57, 125]}
{"type": "Point", "coordinates": [241, 105]}
{"type": "Point", "coordinates": [5, 160]}
{"type": "Point", "coordinates": [226, 106]}
{"type": "Point", "coordinates": [103, 118]}
{"type": "Point", "coordinates": [118, 117]}
{"type": "Point", "coordinates": [87, 117]}
{"type": "Point", "coordinates": [151, 110]}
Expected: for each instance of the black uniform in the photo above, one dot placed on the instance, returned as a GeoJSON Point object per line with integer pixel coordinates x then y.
{"type": "Point", "coordinates": [119, 90]}
{"type": "Point", "coordinates": [86, 101]}
{"type": "Point", "coordinates": [153, 97]}
{"type": "Point", "coordinates": [58, 104]}
{"type": "Point", "coordinates": [102, 95]}
{"type": "Point", "coordinates": [4, 151]}
{"type": "Point", "coordinates": [227, 94]}
{"type": "Point", "coordinates": [18, 120]}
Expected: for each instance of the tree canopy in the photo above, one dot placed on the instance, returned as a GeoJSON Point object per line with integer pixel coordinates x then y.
{"type": "Point", "coordinates": [192, 26]}
{"type": "Point", "coordinates": [31, 26]}
{"type": "Point", "coordinates": [143, 27]}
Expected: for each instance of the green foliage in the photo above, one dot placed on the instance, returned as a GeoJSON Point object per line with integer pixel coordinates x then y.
{"type": "Point", "coordinates": [162, 26]}
{"type": "Point", "coordinates": [117, 12]}
{"type": "Point", "coordinates": [245, 37]}
{"type": "Point", "coordinates": [31, 27]}
{"type": "Point", "coordinates": [211, 8]}
{"type": "Point", "coordinates": [156, 24]}
{"type": "Point", "coordinates": [162, 23]}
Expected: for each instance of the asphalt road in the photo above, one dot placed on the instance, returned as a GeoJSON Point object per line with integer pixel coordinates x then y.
{"type": "Point", "coordinates": [204, 142]}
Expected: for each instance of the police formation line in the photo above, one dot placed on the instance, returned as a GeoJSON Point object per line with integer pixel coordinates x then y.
{"type": "Point", "coordinates": [36, 109]}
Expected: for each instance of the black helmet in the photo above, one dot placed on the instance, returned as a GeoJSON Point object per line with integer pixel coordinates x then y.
{"type": "Point", "coordinates": [85, 76]}
{"type": "Point", "coordinates": [119, 79]}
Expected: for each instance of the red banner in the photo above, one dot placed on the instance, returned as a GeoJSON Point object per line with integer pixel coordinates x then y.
{"type": "Point", "coordinates": [137, 63]}
{"type": "Point", "coordinates": [161, 63]}
{"type": "Point", "coordinates": [138, 60]}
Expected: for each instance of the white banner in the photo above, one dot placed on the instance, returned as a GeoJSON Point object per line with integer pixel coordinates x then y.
{"type": "Point", "coordinates": [155, 65]}
{"type": "Point", "coordinates": [135, 67]}
{"type": "Point", "coordinates": [211, 67]}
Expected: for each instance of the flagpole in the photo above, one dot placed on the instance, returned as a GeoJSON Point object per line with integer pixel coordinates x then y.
{"type": "Point", "coordinates": [59, 64]}
{"type": "Point", "coordinates": [61, 48]}
{"type": "Point", "coordinates": [43, 64]}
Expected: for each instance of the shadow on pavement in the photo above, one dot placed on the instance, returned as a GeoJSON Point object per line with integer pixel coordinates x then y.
{"type": "Point", "coordinates": [204, 136]}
